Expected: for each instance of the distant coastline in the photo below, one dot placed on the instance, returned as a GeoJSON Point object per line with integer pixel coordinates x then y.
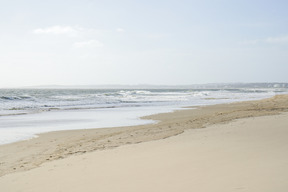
{"type": "Point", "coordinates": [265, 85]}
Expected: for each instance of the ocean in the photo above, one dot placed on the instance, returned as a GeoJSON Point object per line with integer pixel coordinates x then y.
{"type": "Point", "coordinates": [24, 113]}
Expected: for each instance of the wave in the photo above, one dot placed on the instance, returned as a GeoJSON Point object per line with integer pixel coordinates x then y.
{"type": "Point", "coordinates": [11, 98]}
{"type": "Point", "coordinates": [47, 100]}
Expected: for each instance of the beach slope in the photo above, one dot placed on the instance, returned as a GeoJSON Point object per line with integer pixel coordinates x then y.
{"type": "Point", "coordinates": [243, 155]}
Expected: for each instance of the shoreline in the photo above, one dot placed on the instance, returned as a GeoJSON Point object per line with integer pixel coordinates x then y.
{"type": "Point", "coordinates": [28, 126]}
{"type": "Point", "coordinates": [26, 155]}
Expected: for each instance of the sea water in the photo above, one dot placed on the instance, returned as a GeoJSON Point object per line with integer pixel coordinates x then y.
{"type": "Point", "coordinates": [24, 113]}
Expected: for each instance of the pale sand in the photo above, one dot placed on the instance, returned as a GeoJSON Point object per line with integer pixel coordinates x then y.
{"type": "Point", "coordinates": [245, 155]}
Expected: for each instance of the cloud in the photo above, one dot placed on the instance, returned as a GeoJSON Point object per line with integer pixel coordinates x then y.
{"type": "Point", "coordinates": [269, 40]}
{"type": "Point", "coordinates": [120, 30]}
{"type": "Point", "coordinates": [90, 43]}
{"type": "Point", "coordinates": [58, 30]}
{"type": "Point", "coordinates": [282, 39]}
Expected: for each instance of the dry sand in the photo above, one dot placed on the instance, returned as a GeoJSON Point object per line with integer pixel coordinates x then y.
{"type": "Point", "coordinates": [249, 154]}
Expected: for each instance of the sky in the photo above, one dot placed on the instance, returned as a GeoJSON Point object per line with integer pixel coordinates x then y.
{"type": "Point", "coordinates": [158, 42]}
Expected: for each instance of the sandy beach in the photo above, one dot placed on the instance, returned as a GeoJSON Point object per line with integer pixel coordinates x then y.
{"type": "Point", "coordinates": [242, 148]}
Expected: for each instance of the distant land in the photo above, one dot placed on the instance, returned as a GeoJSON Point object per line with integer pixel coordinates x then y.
{"type": "Point", "coordinates": [192, 86]}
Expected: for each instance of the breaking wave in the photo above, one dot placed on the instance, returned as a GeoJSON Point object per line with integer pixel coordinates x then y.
{"type": "Point", "coordinates": [40, 100]}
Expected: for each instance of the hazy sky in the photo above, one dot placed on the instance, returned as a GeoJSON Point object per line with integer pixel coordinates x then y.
{"type": "Point", "coordinates": [75, 42]}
